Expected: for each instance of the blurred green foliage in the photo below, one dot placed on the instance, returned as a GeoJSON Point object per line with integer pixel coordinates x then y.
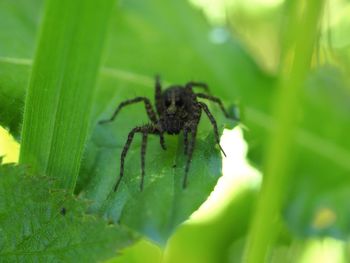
{"type": "Point", "coordinates": [239, 58]}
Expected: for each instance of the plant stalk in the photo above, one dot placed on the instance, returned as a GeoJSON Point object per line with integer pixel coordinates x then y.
{"type": "Point", "coordinates": [294, 69]}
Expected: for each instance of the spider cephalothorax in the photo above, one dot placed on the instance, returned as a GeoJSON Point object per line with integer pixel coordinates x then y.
{"type": "Point", "coordinates": [177, 110]}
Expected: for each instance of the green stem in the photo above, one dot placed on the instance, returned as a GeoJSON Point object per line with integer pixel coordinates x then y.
{"type": "Point", "coordinates": [295, 67]}
{"type": "Point", "coordinates": [62, 84]}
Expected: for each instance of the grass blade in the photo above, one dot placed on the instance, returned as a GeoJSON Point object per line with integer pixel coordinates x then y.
{"type": "Point", "coordinates": [62, 84]}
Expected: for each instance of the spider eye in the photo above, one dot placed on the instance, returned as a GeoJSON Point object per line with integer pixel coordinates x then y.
{"type": "Point", "coordinates": [179, 103]}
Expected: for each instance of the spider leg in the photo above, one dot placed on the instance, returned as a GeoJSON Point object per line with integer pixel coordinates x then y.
{"type": "Point", "coordinates": [213, 123]}
{"type": "Point", "coordinates": [190, 149]}
{"type": "Point", "coordinates": [143, 152]}
{"type": "Point", "coordinates": [123, 154]}
{"type": "Point", "coordinates": [150, 112]}
{"type": "Point", "coordinates": [145, 130]}
{"type": "Point", "coordinates": [186, 131]}
{"type": "Point", "coordinates": [193, 84]}
{"type": "Point", "coordinates": [218, 101]}
{"type": "Point", "coordinates": [158, 96]}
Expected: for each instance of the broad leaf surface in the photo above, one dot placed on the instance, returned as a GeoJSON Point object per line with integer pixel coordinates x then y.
{"type": "Point", "coordinates": [163, 204]}
{"type": "Point", "coordinates": [40, 224]}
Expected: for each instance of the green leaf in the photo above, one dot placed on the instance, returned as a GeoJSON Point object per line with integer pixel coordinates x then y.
{"type": "Point", "coordinates": [163, 204]}
{"type": "Point", "coordinates": [39, 223]}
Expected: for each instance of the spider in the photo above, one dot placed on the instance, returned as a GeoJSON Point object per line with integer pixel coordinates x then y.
{"type": "Point", "coordinates": [177, 110]}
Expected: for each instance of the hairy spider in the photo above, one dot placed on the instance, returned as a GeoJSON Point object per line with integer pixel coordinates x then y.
{"type": "Point", "coordinates": [178, 110]}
